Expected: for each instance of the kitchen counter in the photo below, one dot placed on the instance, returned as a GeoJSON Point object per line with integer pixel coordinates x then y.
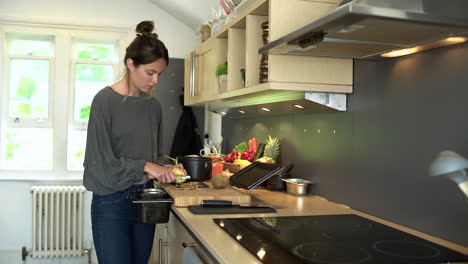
{"type": "Point", "coordinates": [226, 250]}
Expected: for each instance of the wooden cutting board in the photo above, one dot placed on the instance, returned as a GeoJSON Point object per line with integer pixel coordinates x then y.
{"type": "Point", "coordinates": [195, 196]}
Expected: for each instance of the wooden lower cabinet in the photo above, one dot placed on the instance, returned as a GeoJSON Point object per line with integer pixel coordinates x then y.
{"type": "Point", "coordinates": [170, 241]}
{"type": "Point", "coordinates": [159, 252]}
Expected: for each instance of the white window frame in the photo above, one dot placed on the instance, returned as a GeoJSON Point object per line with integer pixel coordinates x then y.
{"type": "Point", "coordinates": [62, 96]}
{"type": "Point", "coordinates": [73, 124]}
{"type": "Point", "coordinates": [28, 122]}
{"type": "Point", "coordinates": [83, 125]}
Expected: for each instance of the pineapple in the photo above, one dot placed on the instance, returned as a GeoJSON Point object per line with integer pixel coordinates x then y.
{"type": "Point", "coordinates": [272, 150]}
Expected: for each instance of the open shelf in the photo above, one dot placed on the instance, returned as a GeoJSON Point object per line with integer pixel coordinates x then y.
{"type": "Point", "coordinates": [252, 57]}
{"type": "Point", "coordinates": [235, 58]}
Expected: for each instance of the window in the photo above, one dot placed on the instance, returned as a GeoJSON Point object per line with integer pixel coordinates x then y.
{"type": "Point", "coordinates": [48, 78]}
{"type": "Point", "coordinates": [26, 138]}
{"type": "Point", "coordinates": [94, 66]}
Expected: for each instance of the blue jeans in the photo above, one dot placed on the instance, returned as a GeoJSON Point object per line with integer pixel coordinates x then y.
{"type": "Point", "coordinates": [118, 236]}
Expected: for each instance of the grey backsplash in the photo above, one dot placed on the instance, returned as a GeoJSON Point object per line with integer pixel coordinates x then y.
{"type": "Point", "coordinates": [375, 157]}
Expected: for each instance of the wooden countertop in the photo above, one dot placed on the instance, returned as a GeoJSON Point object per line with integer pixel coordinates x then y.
{"type": "Point", "coordinates": [226, 250]}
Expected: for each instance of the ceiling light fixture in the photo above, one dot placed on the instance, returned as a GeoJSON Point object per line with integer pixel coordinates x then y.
{"type": "Point", "coordinates": [428, 46]}
{"type": "Point", "coordinates": [223, 113]}
{"type": "Point", "coordinates": [299, 106]}
{"type": "Point", "coordinates": [242, 112]}
{"type": "Point", "coordinates": [266, 109]}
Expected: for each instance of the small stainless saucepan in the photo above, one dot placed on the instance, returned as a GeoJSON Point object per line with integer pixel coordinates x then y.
{"type": "Point", "coordinates": [297, 186]}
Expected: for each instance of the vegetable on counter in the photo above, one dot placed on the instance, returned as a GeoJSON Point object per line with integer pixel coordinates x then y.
{"type": "Point", "coordinates": [259, 154]}
{"type": "Point", "coordinates": [248, 155]}
{"type": "Point", "coordinates": [231, 157]}
{"type": "Point", "coordinates": [253, 145]}
{"type": "Point", "coordinates": [243, 146]}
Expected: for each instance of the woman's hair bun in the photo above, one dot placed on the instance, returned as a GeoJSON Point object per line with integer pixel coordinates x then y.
{"type": "Point", "coordinates": [145, 28]}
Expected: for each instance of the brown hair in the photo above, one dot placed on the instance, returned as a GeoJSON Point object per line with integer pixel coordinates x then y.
{"type": "Point", "coordinates": [146, 47]}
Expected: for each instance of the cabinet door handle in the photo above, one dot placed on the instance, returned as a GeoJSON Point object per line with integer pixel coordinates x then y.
{"type": "Point", "coordinates": [188, 244]}
{"type": "Point", "coordinates": [192, 74]}
{"type": "Point", "coordinates": [161, 245]}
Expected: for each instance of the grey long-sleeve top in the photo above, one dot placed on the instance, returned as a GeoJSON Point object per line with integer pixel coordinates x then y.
{"type": "Point", "coordinates": [122, 137]}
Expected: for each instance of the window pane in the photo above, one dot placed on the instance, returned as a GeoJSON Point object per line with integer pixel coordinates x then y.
{"type": "Point", "coordinates": [26, 149]}
{"type": "Point", "coordinates": [76, 149]}
{"type": "Point", "coordinates": [29, 88]}
{"type": "Point", "coordinates": [31, 47]}
{"type": "Point", "coordinates": [89, 80]}
{"type": "Point", "coordinates": [98, 52]}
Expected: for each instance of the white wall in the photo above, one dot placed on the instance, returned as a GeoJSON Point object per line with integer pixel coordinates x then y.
{"type": "Point", "coordinates": [15, 196]}
{"type": "Point", "coordinates": [178, 38]}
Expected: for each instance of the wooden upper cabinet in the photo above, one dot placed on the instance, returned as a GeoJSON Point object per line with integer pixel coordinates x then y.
{"type": "Point", "coordinates": [238, 43]}
{"type": "Point", "coordinates": [201, 83]}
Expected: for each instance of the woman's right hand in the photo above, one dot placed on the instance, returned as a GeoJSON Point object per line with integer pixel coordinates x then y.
{"type": "Point", "coordinates": [160, 173]}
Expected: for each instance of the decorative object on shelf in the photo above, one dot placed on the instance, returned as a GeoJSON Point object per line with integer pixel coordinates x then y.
{"type": "Point", "coordinates": [265, 30]}
{"type": "Point", "coordinates": [242, 71]}
{"type": "Point", "coordinates": [227, 5]}
{"type": "Point", "coordinates": [217, 19]}
{"type": "Point", "coordinates": [205, 32]}
{"type": "Point", "coordinates": [450, 164]}
{"type": "Point", "coordinates": [263, 76]}
{"type": "Point", "coordinates": [221, 72]}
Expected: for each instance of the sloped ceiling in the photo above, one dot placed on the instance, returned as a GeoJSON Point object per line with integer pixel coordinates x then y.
{"type": "Point", "coordinates": [192, 13]}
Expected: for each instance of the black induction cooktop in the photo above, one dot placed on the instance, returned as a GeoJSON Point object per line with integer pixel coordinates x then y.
{"type": "Point", "coordinates": [332, 239]}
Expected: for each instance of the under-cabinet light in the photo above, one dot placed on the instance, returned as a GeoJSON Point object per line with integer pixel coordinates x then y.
{"type": "Point", "coordinates": [266, 109]}
{"type": "Point", "coordinates": [299, 106]}
{"type": "Point", "coordinates": [238, 237]}
{"type": "Point", "coordinates": [428, 46]}
{"type": "Point", "coordinates": [242, 112]}
{"type": "Point", "coordinates": [223, 113]}
{"type": "Point", "coordinates": [261, 253]}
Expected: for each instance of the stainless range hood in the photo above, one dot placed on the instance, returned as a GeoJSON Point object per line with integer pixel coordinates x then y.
{"type": "Point", "coordinates": [366, 29]}
{"type": "Point", "coordinates": [281, 102]}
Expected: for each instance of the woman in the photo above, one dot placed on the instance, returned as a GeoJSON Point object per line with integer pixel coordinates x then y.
{"type": "Point", "coordinates": [123, 144]}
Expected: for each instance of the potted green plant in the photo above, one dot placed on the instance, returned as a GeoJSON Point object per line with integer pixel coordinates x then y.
{"type": "Point", "coordinates": [221, 72]}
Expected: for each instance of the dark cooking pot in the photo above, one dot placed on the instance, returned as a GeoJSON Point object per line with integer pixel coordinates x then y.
{"type": "Point", "coordinates": [199, 168]}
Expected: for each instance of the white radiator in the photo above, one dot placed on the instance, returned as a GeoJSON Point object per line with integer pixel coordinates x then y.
{"type": "Point", "coordinates": [57, 221]}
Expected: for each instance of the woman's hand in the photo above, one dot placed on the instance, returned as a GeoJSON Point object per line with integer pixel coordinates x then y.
{"type": "Point", "coordinates": [160, 173]}
{"type": "Point", "coordinates": [181, 167]}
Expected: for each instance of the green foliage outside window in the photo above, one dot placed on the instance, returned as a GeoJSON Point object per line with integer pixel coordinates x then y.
{"type": "Point", "coordinates": [24, 109]}
{"type": "Point", "coordinates": [26, 87]}
{"type": "Point", "coordinates": [78, 154]}
{"type": "Point", "coordinates": [90, 73]}
{"type": "Point", "coordinates": [94, 52]}
{"type": "Point", "coordinates": [10, 147]}
{"type": "Point", "coordinates": [84, 112]}
{"type": "Point", "coordinates": [31, 47]}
